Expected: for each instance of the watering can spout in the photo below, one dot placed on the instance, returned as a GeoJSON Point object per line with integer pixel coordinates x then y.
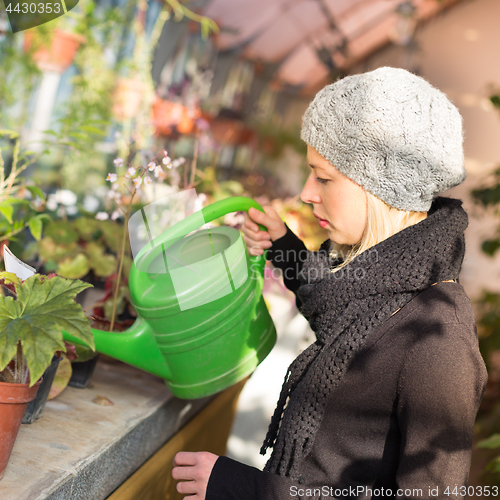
{"type": "Point", "coordinates": [135, 346]}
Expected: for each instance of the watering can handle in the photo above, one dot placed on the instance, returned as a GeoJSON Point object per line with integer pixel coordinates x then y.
{"type": "Point", "coordinates": [191, 223]}
{"type": "Point", "coordinates": [237, 204]}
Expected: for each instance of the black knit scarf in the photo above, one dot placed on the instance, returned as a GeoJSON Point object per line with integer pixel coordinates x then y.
{"type": "Point", "coordinates": [344, 307]}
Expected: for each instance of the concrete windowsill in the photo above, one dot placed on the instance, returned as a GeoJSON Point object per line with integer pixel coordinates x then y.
{"type": "Point", "coordinates": [81, 450]}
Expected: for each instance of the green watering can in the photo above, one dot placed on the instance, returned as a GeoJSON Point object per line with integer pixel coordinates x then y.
{"type": "Point", "coordinates": [202, 322]}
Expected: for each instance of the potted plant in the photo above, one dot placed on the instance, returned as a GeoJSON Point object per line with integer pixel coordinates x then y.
{"type": "Point", "coordinates": [59, 55]}
{"type": "Point", "coordinates": [31, 326]}
{"type": "Point", "coordinates": [127, 97]}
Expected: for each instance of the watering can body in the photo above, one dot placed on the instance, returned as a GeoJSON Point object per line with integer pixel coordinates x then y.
{"type": "Point", "coordinates": [202, 321]}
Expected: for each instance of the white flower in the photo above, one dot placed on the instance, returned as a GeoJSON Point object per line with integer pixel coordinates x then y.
{"type": "Point", "coordinates": [165, 153]}
{"type": "Point", "coordinates": [159, 171]}
{"type": "Point", "coordinates": [118, 162]}
{"type": "Point", "coordinates": [102, 216]}
{"type": "Point", "coordinates": [151, 166]}
{"type": "Point", "coordinates": [180, 161]}
{"type": "Point", "coordinates": [51, 202]}
{"type": "Point", "coordinates": [137, 181]}
{"type": "Point", "coordinates": [147, 180]}
{"type": "Point", "coordinates": [115, 215]}
{"type": "Point", "coordinates": [130, 172]}
{"type": "Point", "coordinates": [112, 177]}
{"type": "Point", "coordinates": [167, 162]}
{"type": "Point", "coordinates": [115, 187]}
{"type": "Point", "coordinates": [65, 197]}
{"type": "Point", "coordinates": [90, 203]}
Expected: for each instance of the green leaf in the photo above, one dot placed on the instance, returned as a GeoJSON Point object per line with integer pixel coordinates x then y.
{"type": "Point", "coordinates": [61, 232]}
{"type": "Point", "coordinates": [487, 196]}
{"type": "Point", "coordinates": [121, 302]}
{"type": "Point", "coordinates": [87, 228]}
{"type": "Point", "coordinates": [112, 233]}
{"type": "Point", "coordinates": [92, 130]}
{"type": "Point", "coordinates": [77, 135]}
{"type": "Point", "coordinates": [494, 465]}
{"type": "Point", "coordinates": [11, 133]}
{"type": "Point", "coordinates": [492, 442]}
{"type": "Point", "coordinates": [10, 278]}
{"type": "Point", "coordinates": [490, 247]}
{"type": "Point", "coordinates": [44, 307]}
{"type": "Point", "coordinates": [51, 266]}
{"type": "Point", "coordinates": [35, 224]}
{"type": "Point", "coordinates": [84, 354]}
{"type": "Point", "coordinates": [15, 201]}
{"type": "Point", "coordinates": [27, 153]}
{"type": "Point", "coordinates": [495, 100]}
{"type": "Point", "coordinates": [74, 267]}
{"type": "Point", "coordinates": [106, 123]}
{"type": "Point", "coordinates": [7, 211]}
{"type": "Point", "coordinates": [36, 191]}
{"type": "Point", "coordinates": [49, 250]}
{"type": "Point", "coordinates": [103, 264]}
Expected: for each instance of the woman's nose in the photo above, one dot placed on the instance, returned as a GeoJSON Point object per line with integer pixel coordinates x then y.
{"type": "Point", "coordinates": [308, 194]}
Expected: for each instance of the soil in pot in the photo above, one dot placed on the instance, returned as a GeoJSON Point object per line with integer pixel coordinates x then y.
{"type": "Point", "coordinates": [14, 399]}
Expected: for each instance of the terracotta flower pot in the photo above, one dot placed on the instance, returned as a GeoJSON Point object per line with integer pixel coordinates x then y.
{"type": "Point", "coordinates": [127, 97]}
{"type": "Point", "coordinates": [167, 115]}
{"type": "Point", "coordinates": [228, 131]}
{"type": "Point", "coordinates": [59, 56]}
{"type": "Point", "coordinates": [14, 399]}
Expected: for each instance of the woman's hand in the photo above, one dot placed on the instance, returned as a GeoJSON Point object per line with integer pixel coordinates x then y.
{"type": "Point", "coordinates": [257, 241]}
{"type": "Point", "coordinates": [193, 471]}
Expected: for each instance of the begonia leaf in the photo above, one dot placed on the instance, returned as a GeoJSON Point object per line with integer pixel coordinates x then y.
{"type": "Point", "coordinates": [43, 309]}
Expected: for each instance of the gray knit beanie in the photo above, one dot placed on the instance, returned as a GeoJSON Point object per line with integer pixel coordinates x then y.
{"type": "Point", "coordinates": [392, 133]}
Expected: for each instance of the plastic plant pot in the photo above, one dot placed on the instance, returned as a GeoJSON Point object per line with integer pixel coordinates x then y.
{"type": "Point", "coordinates": [82, 372]}
{"type": "Point", "coordinates": [35, 408]}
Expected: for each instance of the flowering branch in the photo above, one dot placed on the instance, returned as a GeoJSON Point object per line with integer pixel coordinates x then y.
{"type": "Point", "coordinates": [139, 177]}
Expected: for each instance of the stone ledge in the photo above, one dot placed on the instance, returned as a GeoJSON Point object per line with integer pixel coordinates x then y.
{"type": "Point", "coordinates": [81, 450]}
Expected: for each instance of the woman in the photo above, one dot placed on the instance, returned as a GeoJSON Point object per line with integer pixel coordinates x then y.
{"type": "Point", "coordinates": [383, 403]}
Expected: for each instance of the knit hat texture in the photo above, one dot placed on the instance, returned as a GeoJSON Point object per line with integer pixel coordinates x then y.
{"type": "Point", "coordinates": [392, 133]}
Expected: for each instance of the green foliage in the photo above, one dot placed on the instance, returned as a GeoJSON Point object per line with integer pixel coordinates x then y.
{"type": "Point", "coordinates": [495, 100]}
{"type": "Point", "coordinates": [20, 202]}
{"type": "Point", "coordinates": [489, 308]}
{"type": "Point", "coordinates": [489, 195]}
{"type": "Point", "coordinates": [274, 139]}
{"type": "Point", "coordinates": [490, 247]}
{"type": "Point", "coordinates": [74, 267]}
{"type": "Point", "coordinates": [216, 190]}
{"type": "Point", "coordinates": [84, 354]}
{"type": "Point", "coordinates": [72, 249]}
{"type": "Point", "coordinates": [20, 75]}
{"type": "Point", "coordinates": [492, 442]}
{"type": "Point", "coordinates": [35, 320]}
{"type": "Point", "coordinates": [489, 322]}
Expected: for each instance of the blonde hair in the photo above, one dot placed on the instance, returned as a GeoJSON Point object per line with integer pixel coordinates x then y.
{"type": "Point", "coordinates": [382, 222]}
